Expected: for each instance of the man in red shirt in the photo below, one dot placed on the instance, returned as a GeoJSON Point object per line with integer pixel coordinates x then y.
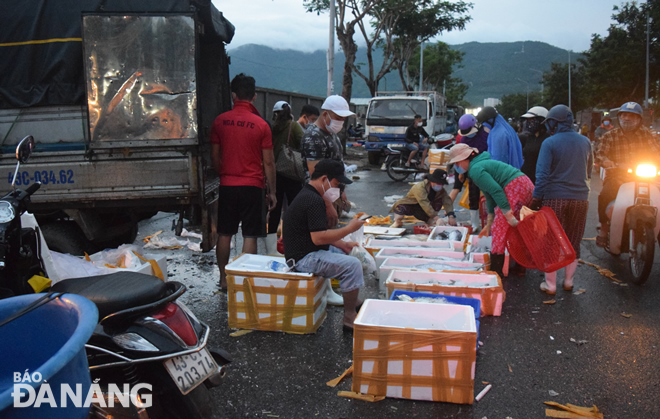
{"type": "Point", "coordinates": [242, 152]}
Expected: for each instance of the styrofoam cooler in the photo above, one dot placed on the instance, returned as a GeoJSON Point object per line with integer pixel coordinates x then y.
{"type": "Point", "coordinates": [427, 253]}
{"type": "Point", "coordinates": [458, 245]}
{"type": "Point", "coordinates": [263, 299]}
{"type": "Point", "coordinates": [479, 257]}
{"type": "Point", "coordinates": [414, 264]}
{"type": "Point", "coordinates": [419, 351]}
{"type": "Point", "coordinates": [374, 245]}
{"type": "Point", "coordinates": [485, 286]}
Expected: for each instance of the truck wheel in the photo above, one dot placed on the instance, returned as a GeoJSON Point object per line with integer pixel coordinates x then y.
{"type": "Point", "coordinates": [125, 238]}
{"type": "Point", "coordinates": [374, 157]}
{"type": "Point", "coordinates": [66, 237]}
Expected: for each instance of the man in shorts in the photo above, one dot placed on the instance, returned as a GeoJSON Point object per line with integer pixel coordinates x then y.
{"type": "Point", "coordinates": [242, 150]}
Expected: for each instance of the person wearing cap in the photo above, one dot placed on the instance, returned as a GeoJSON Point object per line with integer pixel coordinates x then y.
{"type": "Point", "coordinates": [620, 149]}
{"type": "Point", "coordinates": [424, 200]}
{"type": "Point", "coordinates": [506, 189]}
{"type": "Point", "coordinates": [285, 131]}
{"type": "Point", "coordinates": [531, 138]}
{"type": "Point", "coordinates": [416, 138]}
{"type": "Point", "coordinates": [563, 173]}
{"type": "Point", "coordinates": [313, 247]}
{"type": "Point", "coordinates": [320, 141]}
{"type": "Point", "coordinates": [503, 142]}
{"type": "Point", "coordinates": [473, 134]}
{"type": "Point", "coordinates": [242, 154]}
{"type": "Point", "coordinates": [308, 115]}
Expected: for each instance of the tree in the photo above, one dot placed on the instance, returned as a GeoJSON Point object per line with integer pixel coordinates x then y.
{"type": "Point", "coordinates": [556, 87]}
{"type": "Point", "coordinates": [516, 104]}
{"type": "Point", "coordinates": [395, 26]}
{"type": "Point", "coordinates": [349, 14]}
{"type": "Point", "coordinates": [417, 25]}
{"type": "Point", "coordinates": [439, 63]}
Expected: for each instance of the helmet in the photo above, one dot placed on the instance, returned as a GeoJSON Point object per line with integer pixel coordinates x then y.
{"type": "Point", "coordinates": [486, 113]}
{"type": "Point", "coordinates": [466, 122]}
{"type": "Point", "coordinates": [536, 111]}
{"type": "Point", "coordinates": [631, 107]}
{"type": "Point", "coordinates": [559, 113]}
{"type": "Point", "coordinates": [279, 106]}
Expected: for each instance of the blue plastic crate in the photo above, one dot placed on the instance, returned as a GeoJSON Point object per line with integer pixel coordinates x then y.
{"type": "Point", "coordinates": [472, 302]}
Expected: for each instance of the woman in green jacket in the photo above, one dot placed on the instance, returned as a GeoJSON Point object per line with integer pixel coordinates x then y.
{"type": "Point", "coordinates": [506, 189]}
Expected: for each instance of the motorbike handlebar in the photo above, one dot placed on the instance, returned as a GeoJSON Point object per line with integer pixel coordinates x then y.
{"type": "Point", "coordinates": [33, 188]}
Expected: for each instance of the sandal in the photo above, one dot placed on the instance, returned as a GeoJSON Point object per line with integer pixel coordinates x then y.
{"type": "Point", "coordinates": [568, 288]}
{"type": "Point", "coordinates": [601, 241]}
{"type": "Point", "coordinates": [545, 289]}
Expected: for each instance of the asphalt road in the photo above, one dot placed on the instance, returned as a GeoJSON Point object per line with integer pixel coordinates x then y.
{"type": "Point", "coordinates": [527, 353]}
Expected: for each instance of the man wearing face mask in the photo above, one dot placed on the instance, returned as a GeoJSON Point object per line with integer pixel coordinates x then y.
{"type": "Point", "coordinates": [308, 115]}
{"type": "Point", "coordinates": [474, 135]}
{"type": "Point", "coordinates": [414, 135]}
{"type": "Point", "coordinates": [605, 127]}
{"type": "Point", "coordinates": [316, 249]}
{"type": "Point", "coordinates": [424, 200]}
{"type": "Point", "coordinates": [320, 141]}
{"type": "Point", "coordinates": [533, 135]}
{"type": "Point", "coordinates": [620, 149]}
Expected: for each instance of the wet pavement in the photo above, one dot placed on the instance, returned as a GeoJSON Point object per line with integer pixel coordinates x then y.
{"type": "Point", "coordinates": [527, 353]}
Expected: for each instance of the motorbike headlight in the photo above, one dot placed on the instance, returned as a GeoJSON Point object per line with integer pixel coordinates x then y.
{"type": "Point", "coordinates": [6, 212]}
{"type": "Point", "coordinates": [646, 170]}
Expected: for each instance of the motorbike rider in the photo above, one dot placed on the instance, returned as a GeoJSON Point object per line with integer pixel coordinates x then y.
{"type": "Point", "coordinates": [416, 137]}
{"type": "Point", "coordinates": [620, 149]}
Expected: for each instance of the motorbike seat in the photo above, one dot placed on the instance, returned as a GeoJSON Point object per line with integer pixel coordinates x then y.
{"type": "Point", "coordinates": [115, 292]}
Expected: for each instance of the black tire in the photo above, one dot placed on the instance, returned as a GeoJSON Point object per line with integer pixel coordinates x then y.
{"type": "Point", "coordinates": [125, 238]}
{"type": "Point", "coordinates": [66, 237]}
{"type": "Point", "coordinates": [374, 157]}
{"type": "Point", "coordinates": [391, 165]}
{"type": "Point", "coordinates": [642, 251]}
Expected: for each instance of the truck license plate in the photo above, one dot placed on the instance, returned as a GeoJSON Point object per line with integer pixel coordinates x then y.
{"type": "Point", "coordinates": [189, 371]}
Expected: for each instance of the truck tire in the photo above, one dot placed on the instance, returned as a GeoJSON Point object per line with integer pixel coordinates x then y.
{"type": "Point", "coordinates": [66, 237]}
{"type": "Point", "coordinates": [374, 157]}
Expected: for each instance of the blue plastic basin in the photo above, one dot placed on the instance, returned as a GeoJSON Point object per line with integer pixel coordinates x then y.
{"type": "Point", "coordinates": [49, 340]}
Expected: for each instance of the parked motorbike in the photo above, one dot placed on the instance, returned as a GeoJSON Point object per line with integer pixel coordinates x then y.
{"type": "Point", "coordinates": [396, 157]}
{"type": "Point", "coordinates": [355, 133]}
{"type": "Point", "coordinates": [144, 336]}
{"type": "Point", "coordinates": [634, 222]}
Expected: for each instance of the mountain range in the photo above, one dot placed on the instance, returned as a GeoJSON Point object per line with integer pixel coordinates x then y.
{"type": "Point", "coordinates": [491, 70]}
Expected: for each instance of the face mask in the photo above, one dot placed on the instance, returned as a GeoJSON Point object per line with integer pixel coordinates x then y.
{"type": "Point", "coordinates": [419, 124]}
{"type": "Point", "coordinates": [334, 126]}
{"type": "Point", "coordinates": [332, 194]}
{"type": "Point", "coordinates": [606, 123]}
{"type": "Point", "coordinates": [436, 187]}
{"type": "Point", "coordinates": [459, 169]}
{"type": "Point", "coordinates": [487, 126]}
{"type": "Point", "coordinates": [628, 125]}
{"type": "Point", "coordinates": [532, 125]}
{"type": "Point", "coordinates": [471, 135]}
{"type": "Point", "coordinates": [550, 126]}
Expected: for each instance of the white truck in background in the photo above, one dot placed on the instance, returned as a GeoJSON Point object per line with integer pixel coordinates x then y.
{"type": "Point", "coordinates": [390, 113]}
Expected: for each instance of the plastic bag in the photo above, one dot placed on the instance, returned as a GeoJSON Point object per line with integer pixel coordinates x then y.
{"type": "Point", "coordinates": [465, 198]}
{"type": "Point", "coordinates": [121, 257]}
{"type": "Point", "coordinates": [369, 268]}
{"type": "Point", "coordinates": [68, 266]}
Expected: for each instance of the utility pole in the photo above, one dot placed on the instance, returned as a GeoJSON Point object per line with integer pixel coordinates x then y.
{"type": "Point", "coordinates": [646, 90]}
{"type": "Point", "coordinates": [569, 78]}
{"type": "Point", "coordinates": [421, 65]}
{"type": "Point", "coordinates": [331, 50]}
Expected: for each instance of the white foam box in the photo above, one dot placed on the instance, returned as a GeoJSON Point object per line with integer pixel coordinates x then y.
{"type": "Point", "coordinates": [458, 245]}
{"type": "Point", "coordinates": [428, 253]}
{"type": "Point", "coordinates": [479, 257]}
{"type": "Point", "coordinates": [411, 264]}
{"type": "Point", "coordinates": [374, 245]}
{"type": "Point", "coordinates": [143, 268]}
{"type": "Point", "coordinates": [419, 351]}
{"type": "Point", "coordinates": [262, 299]}
{"type": "Point", "coordinates": [485, 286]}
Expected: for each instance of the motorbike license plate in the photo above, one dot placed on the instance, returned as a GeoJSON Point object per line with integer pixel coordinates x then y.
{"type": "Point", "coordinates": [189, 371]}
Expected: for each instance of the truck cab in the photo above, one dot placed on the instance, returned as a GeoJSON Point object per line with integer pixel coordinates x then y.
{"type": "Point", "coordinates": [389, 114]}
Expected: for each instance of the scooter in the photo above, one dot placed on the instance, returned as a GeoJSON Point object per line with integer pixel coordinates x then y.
{"type": "Point", "coordinates": [396, 157]}
{"type": "Point", "coordinates": [356, 133]}
{"type": "Point", "coordinates": [634, 221]}
{"type": "Point", "coordinates": [145, 336]}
